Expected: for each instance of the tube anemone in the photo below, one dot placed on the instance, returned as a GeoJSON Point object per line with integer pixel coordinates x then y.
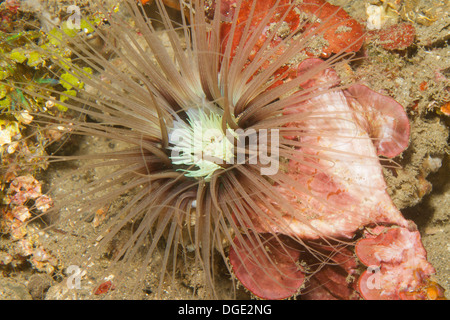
{"type": "Point", "coordinates": [189, 197]}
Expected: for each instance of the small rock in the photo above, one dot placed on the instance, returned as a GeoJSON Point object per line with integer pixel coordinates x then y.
{"type": "Point", "coordinates": [5, 258]}
{"type": "Point", "coordinates": [39, 285]}
{"type": "Point", "coordinates": [433, 230]}
{"type": "Point", "coordinates": [60, 291]}
{"type": "Point", "coordinates": [10, 289]}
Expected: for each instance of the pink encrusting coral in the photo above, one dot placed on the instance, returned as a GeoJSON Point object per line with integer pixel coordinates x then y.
{"type": "Point", "coordinates": [342, 168]}
{"type": "Point", "coordinates": [337, 189]}
{"type": "Point", "coordinates": [398, 265]}
{"type": "Point", "coordinates": [337, 181]}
